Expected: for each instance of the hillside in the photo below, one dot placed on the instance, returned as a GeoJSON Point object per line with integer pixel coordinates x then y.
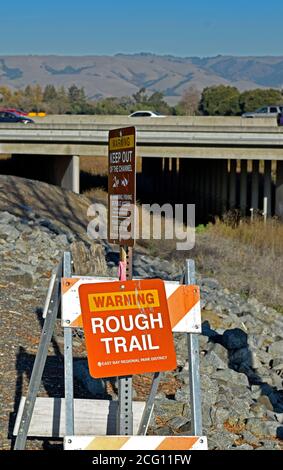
{"type": "Point", "coordinates": [123, 75]}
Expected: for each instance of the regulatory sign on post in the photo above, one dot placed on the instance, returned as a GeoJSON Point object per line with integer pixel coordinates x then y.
{"type": "Point", "coordinates": [127, 328]}
{"type": "Point", "coordinates": [121, 185]}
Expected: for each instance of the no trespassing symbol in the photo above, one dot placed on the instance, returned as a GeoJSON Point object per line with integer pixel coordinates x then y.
{"type": "Point", "coordinates": [127, 328]}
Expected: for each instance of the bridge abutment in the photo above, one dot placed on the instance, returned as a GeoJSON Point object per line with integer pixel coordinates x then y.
{"type": "Point", "coordinates": [267, 187]}
{"type": "Point", "coordinates": [279, 190]}
{"type": "Point", "coordinates": [67, 172]}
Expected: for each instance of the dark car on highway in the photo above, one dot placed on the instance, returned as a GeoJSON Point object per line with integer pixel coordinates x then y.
{"type": "Point", "coordinates": [11, 118]}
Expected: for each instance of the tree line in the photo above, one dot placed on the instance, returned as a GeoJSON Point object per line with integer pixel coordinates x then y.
{"type": "Point", "coordinates": [219, 100]}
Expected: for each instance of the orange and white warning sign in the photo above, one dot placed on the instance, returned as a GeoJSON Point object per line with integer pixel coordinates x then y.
{"type": "Point", "coordinates": [127, 328]}
{"type": "Point", "coordinates": [183, 303]}
{"type": "Point", "coordinates": [158, 443]}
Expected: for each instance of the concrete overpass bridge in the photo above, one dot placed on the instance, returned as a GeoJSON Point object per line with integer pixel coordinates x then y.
{"type": "Point", "coordinates": [218, 163]}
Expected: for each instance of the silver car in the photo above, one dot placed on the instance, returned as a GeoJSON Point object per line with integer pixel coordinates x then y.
{"type": "Point", "coordinates": [265, 111]}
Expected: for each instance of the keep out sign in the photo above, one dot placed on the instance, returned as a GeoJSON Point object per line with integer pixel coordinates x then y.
{"type": "Point", "coordinates": [127, 328]}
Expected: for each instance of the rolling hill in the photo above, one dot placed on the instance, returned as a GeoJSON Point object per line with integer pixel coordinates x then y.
{"type": "Point", "coordinates": [123, 75]}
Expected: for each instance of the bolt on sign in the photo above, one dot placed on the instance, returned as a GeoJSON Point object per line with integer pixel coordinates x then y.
{"type": "Point", "coordinates": [121, 185]}
{"type": "Point", "coordinates": [127, 328]}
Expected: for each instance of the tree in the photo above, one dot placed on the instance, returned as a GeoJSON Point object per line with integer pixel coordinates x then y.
{"type": "Point", "coordinates": [253, 99]}
{"type": "Point", "coordinates": [62, 102]}
{"type": "Point", "coordinates": [140, 96]}
{"type": "Point", "coordinates": [111, 105]}
{"type": "Point", "coordinates": [78, 101]}
{"type": "Point", "coordinates": [157, 103]}
{"type": "Point", "coordinates": [49, 93]}
{"type": "Point", "coordinates": [220, 100]}
{"type": "Point", "coordinates": [189, 103]}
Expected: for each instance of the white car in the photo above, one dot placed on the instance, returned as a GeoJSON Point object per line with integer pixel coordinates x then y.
{"type": "Point", "coordinates": [146, 113]}
{"type": "Point", "coordinates": [266, 111]}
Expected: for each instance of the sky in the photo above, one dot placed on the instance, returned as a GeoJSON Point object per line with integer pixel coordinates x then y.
{"type": "Point", "coordinates": [183, 28]}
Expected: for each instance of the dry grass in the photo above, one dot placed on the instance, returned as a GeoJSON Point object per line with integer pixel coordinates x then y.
{"type": "Point", "coordinates": [247, 259]}
{"type": "Point", "coordinates": [265, 238]}
{"type": "Point", "coordinates": [94, 165]}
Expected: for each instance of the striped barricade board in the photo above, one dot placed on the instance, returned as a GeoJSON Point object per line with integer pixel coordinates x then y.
{"type": "Point", "coordinates": [158, 443]}
{"type": "Point", "coordinates": [183, 303]}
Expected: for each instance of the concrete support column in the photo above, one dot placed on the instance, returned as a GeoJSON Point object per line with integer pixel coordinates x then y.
{"type": "Point", "coordinates": [67, 172]}
{"type": "Point", "coordinates": [209, 187]}
{"type": "Point", "coordinates": [243, 187]}
{"type": "Point", "coordinates": [218, 195]}
{"type": "Point", "coordinates": [166, 179]}
{"type": "Point", "coordinates": [224, 183]}
{"type": "Point", "coordinates": [279, 190]}
{"type": "Point", "coordinates": [202, 188]}
{"type": "Point", "coordinates": [157, 173]}
{"type": "Point", "coordinates": [147, 165]}
{"type": "Point", "coordinates": [267, 188]}
{"type": "Point", "coordinates": [213, 187]}
{"type": "Point", "coordinates": [255, 185]}
{"type": "Point", "coordinates": [174, 179]}
{"type": "Point", "coordinates": [183, 178]}
{"type": "Point", "coordinates": [232, 184]}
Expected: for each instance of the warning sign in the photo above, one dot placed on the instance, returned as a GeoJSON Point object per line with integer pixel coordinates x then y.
{"type": "Point", "coordinates": [127, 328]}
{"type": "Point", "coordinates": [121, 185]}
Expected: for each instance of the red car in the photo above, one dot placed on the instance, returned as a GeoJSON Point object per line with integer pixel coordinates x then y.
{"type": "Point", "coordinates": [19, 112]}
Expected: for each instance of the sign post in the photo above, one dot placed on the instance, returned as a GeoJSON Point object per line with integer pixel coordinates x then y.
{"type": "Point", "coordinates": [122, 186]}
{"type": "Point", "coordinates": [121, 226]}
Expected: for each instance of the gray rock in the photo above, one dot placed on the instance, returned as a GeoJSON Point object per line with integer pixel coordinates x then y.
{"type": "Point", "coordinates": [265, 401]}
{"type": "Point", "coordinates": [209, 306]}
{"type": "Point", "coordinates": [230, 376]}
{"type": "Point", "coordinates": [62, 240]}
{"type": "Point", "coordinates": [235, 339]}
{"type": "Point", "coordinates": [8, 232]}
{"type": "Point", "coordinates": [210, 283]}
{"type": "Point", "coordinates": [256, 391]}
{"type": "Point", "coordinates": [277, 363]}
{"type": "Point", "coordinates": [207, 411]}
{"type": "Point", "coordinates": [212, 358]}
{"type": "Point", "coordinates": [177, 422]}
{"type": "Point", "coordinates": [276, 349]}
{"type": "Point", "coordinates": [260, 427]}
{"type": "Point", "coordinates": [219, 415]}
{"type": "Point", "coordinates": [7, 218]}
{"type": "Point", "coordinates": [275, 416]}
{"type": "Point", "coordinates": [243, 447]}
{"type": "Point", "coordinates": [258, 410]}
{"type": "Point", "coordinates": [221, 440]}
{"type": "Point", "coordinates": [168, 409]}
{"type": "Point", "coordinates": [163, 431]}
{"type": "Point", "coordinates": [182, 395]}
{"type": "Point", "coordinates": [249, 438]}
{"type": "Point", "coordinates": [269, 445]}
{"type": "Point", "coordinates": [209, 389]}
{"type": "Point", "coordinates": [18, 276]}
{"type": "Point", "coordinates": [220, 351]}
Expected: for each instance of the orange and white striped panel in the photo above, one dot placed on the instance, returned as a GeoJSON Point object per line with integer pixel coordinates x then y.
{"type": "Point", "coordinates": [135, 443]}
{"type": "Point", "coordinates": [184, 307]}
{"type": "Point", "coordinates": [183, 303]}
{"type": "Point", "coordinates": [70, 301]}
